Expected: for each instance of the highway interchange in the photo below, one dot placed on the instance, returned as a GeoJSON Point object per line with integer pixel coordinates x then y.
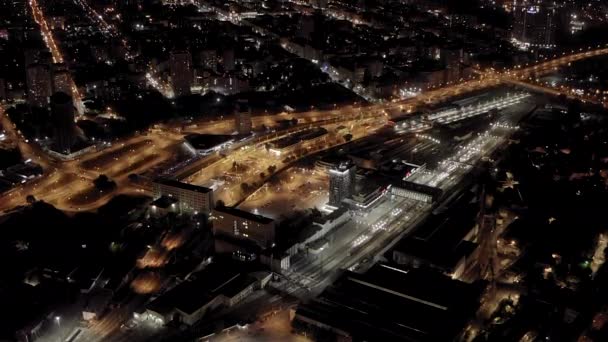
{"type": "Point", "coordinates": [68, 184]}
{"type": "Point", "coordinates": [74, 178]}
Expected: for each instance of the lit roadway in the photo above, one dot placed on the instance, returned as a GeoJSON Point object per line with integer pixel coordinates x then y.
{"type": "Point", "coordinates": [47, 35]}
{"type": "Point", "coordinates": [68, 185]}
{"type": "Point", "coordinates": [561, 91]}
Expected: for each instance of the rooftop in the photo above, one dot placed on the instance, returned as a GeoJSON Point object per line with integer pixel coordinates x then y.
{"type": "Point", "coordinates": [185, 186]}
{"type": "Point", "coordinates": [206, 141]}
{"type": "Point", "coordinates": [192, 294]}
{"type": "Point", "coordinates": [390, 304]}
{"type": "Point", "coordinates": [440, 239]}
{"type": "Point", "coordinates": [244, 215]}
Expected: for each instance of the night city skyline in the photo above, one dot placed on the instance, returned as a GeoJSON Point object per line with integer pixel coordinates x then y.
{"type": "Point", "coordinates": [304, 170]}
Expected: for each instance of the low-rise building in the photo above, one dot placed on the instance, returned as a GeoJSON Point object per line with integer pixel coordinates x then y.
{"type": "Point", "coordinates": [214, 287]}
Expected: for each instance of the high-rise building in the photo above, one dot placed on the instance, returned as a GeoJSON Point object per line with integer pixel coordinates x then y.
{"type": "Point", "coordinates": [242, 121]}
{"type": "Point", "coordinates": [208, 59]}
{"type": "Point", "coordinates": [342, 182]}
{"type": "Point", "coordinates": [39, 86]}
{"type": "Point", "coordinates": [534, 23]}
{"type": "Point", "coordinates": [31, 55]}
{"type": "Point", "coordinates": [3, 94]}
{"type": "Point", "coordinates": [62, 118]}
{"type": "Point", "coordinates": [61, 79]}
{"type": "Point", "coordinates": [307, 26]}
{"type": "Point", "coordinates": [228, 59]}
{"type": "Point", "coordinates": [180, 64]}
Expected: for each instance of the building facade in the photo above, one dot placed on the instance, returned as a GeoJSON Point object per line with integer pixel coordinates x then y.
{"type": "Point", "coordinates": [62, 117]}
{"type": "Point", "coordinates": [180, 64]}
{"type": "Point", "coordinates": [535, 23]}
{"type": "Point", "coordinates": [243, 225]}
{"type": "Point", "coordinates": [39, 86]}
{"type": "Point", "coordinates": [342, 183]}
{"type": "Point", "coordinates": [61, 79]}
{"type": "Point", "coordinates": [242, 121]}
{"type": "Point", "coordinates": [191, 199]}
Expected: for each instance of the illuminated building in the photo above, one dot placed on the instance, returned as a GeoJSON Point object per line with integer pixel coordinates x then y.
{"type": "Point", "coordinates": [534, 23]}
{"type": "Point", "coordinates": [341, 183]}
{"type": "Point", "coordinates": [190, 198]}
{"type": "Point", "coordinates": [177, 2]}
{"type": "Point", "coordinates": [38, 85]}
{"type": "Point", "coordinates": [243, 225]}
{"type": "Point", "coordinates": [242, 121]}
{"type": "Point", "coordinates": [61, 79]}
{"type": "Point", "coordinates": [576, 24]}
{"type": "Point", "coordinates": [180, 64]}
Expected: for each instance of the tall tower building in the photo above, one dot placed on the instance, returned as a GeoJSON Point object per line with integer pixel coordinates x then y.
{"type": "Point", "coordinates": [180, 64]}
{"type": "Point", "coordinates": [242, 119]}
{"type": "Point", "coordinates": [342, 182]}
{"type": "Point", "coordinates": [243, 123]}
{"type": "Point", "coordinates": [61, 79]}
{"type": "Point", "coordinates": [62, 119]}
{"type": "Point", "coordinates": [228, 59]}
{"type": "Point", "coordinates": [3, 95]}
{"type": "Point", "coordinates": [307, 26]}
{"type": "Point", "coordinates": [39, 88]}
{"type": "Point", "coordinates": [535, 22]}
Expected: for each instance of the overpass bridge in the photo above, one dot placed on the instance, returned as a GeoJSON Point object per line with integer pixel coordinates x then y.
{"type": "Point", "coordinates": [555, 91]}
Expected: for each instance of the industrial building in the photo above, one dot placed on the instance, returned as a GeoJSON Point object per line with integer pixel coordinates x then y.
{"type": "Point", "coordinates": [214, 287]}
{"type": "Point", "coordinates": [390, 304]}
{"type": "Point", "coordinates": [444, 242]}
